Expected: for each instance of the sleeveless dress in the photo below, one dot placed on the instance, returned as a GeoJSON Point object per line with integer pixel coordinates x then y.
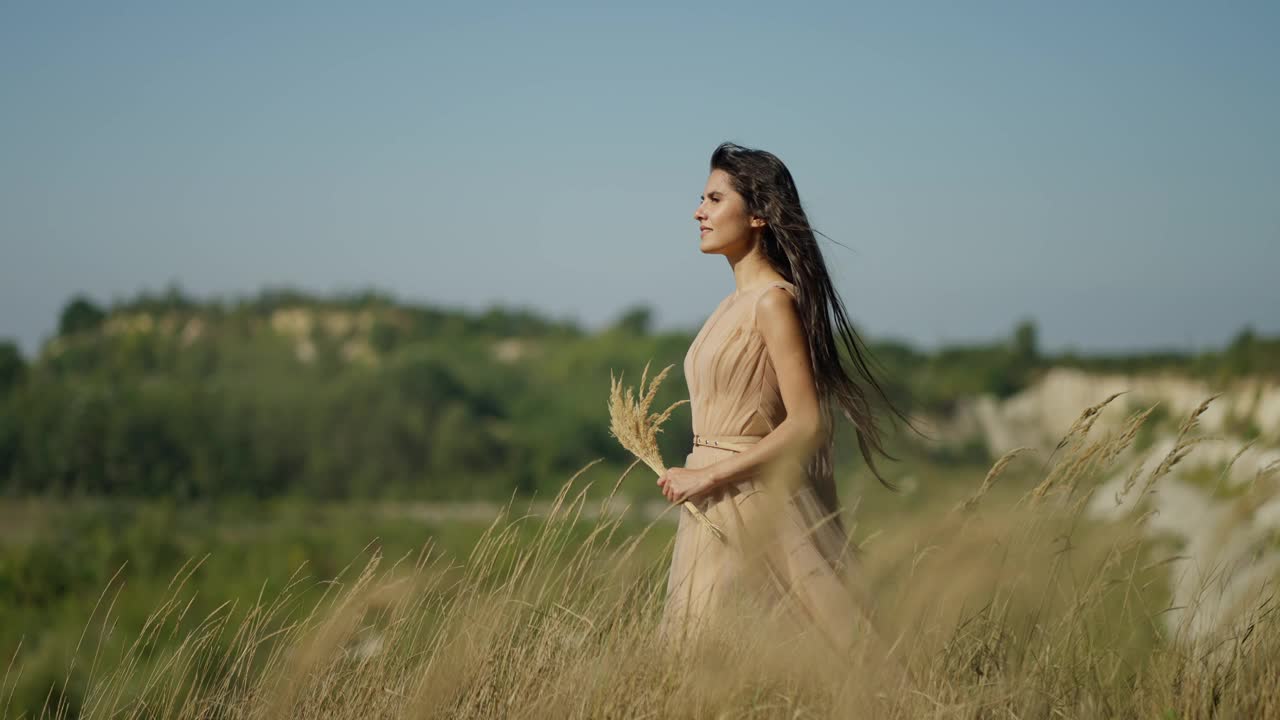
{"type": "Point", "coordinates": [783, 550]}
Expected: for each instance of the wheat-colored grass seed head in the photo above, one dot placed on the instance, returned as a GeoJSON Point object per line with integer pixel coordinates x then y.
{"type": "Point", "coordinates": [630, 421]}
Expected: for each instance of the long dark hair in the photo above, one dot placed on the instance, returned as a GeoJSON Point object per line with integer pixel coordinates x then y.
{"type": "Point", "coordinates": [790, 245]}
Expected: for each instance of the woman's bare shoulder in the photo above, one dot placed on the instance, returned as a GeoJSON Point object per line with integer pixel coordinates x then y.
{"type": "Point", "coordinates": [776, 308]}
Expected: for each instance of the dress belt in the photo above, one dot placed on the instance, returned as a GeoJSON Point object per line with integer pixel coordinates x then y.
{"type": "Point", "coordinates": [736, 443]}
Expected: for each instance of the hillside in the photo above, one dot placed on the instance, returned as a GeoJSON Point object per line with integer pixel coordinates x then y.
{"type": "Point", "coordinates": [362, 395]}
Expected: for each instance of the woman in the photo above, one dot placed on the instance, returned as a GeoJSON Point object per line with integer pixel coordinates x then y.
{"type": "Point", "coordinates": [765, 376]}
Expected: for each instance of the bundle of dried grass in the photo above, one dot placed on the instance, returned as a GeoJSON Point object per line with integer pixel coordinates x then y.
{"type": "Point", "coordinates": [637, 430]}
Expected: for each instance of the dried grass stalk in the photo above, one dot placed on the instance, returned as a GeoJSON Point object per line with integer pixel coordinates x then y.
{"type": "Point", "coordinates": [990, 479]}
{"type": "Point", "coordinates": [1181, 448]}
{"type": "Point", "coordinates": [1074, 438]}
{"type": "Point", "coordinates": [637, 430]}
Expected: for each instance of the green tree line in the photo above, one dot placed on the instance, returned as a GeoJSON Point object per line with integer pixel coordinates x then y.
{"type": "Point", "coordinates": [364, 396]}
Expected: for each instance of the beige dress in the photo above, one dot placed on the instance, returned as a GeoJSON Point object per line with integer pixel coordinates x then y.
{"type": "Point", "coordinates": [783, 550]}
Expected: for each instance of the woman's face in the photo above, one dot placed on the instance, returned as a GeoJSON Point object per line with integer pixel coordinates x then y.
{"type": "Point", "coordinates": [725, 225]}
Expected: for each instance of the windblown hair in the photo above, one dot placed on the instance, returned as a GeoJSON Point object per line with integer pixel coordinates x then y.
{"type": "Point", "coordinates": [791, 248]}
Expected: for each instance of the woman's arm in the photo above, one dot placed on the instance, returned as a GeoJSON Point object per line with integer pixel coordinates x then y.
{"type": "Point", "coordinates": [778, 320]}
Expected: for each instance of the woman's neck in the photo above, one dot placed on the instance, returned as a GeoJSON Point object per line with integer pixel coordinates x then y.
{"type": "Point", "coordinates": [751, 271]}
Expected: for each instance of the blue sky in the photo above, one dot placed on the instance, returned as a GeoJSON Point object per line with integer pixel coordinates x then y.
{"type": "Point", "coordinates": [1111, 170]}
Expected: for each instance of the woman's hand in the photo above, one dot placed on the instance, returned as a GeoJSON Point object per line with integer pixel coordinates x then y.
{"type": "Point", "coordinates": [679, 484]}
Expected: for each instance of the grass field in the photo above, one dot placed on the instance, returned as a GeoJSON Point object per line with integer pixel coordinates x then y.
{"type": "Point", "coordinates": [997, 595]}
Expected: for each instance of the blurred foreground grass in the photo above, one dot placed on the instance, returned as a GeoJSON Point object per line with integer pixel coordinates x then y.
{"type": "Point", "coordinates": [58, 559]}
{"type": "Point", "coordinates": [1000, 599]}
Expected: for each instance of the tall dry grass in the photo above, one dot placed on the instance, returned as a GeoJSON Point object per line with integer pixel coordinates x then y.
{"type": "Point", "coordinates": [1010, 604]}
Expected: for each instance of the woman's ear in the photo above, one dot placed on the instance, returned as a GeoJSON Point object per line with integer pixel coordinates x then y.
{"type": "Point", "coordinates": [757, 221]}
